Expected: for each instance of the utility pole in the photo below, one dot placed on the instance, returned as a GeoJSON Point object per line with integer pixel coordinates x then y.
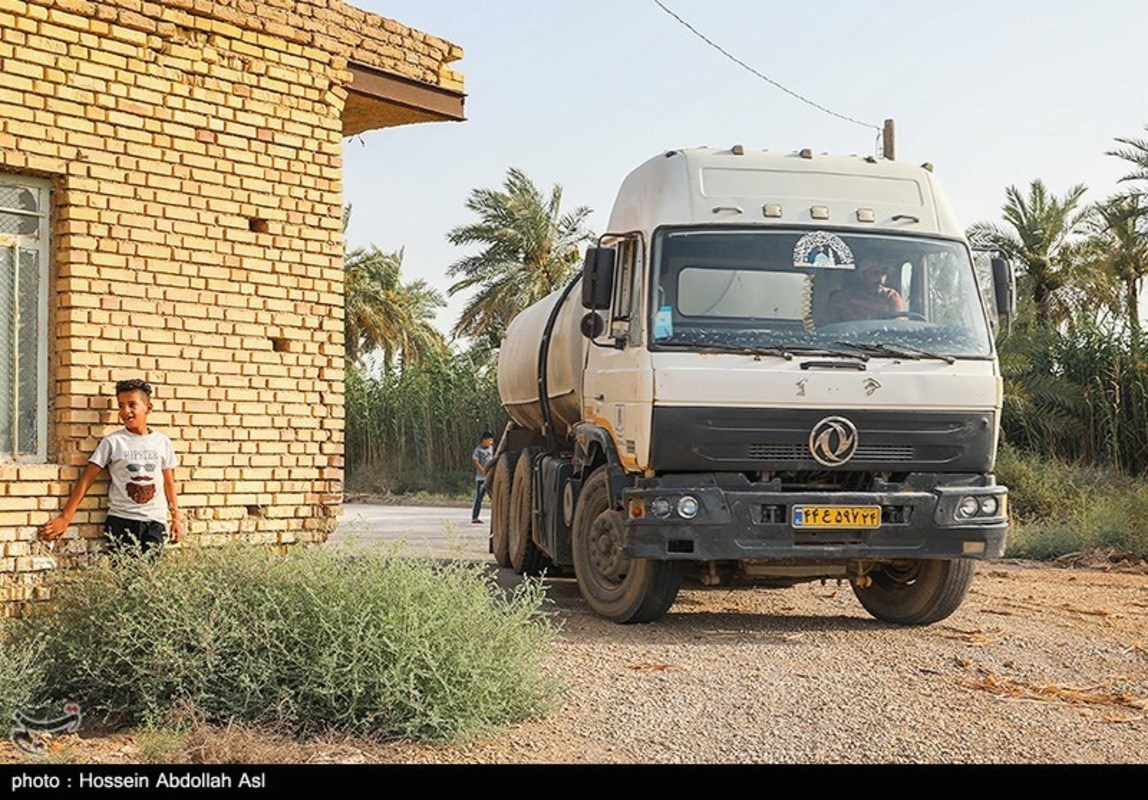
{"type": "Point", "coordinates": [889, 141]}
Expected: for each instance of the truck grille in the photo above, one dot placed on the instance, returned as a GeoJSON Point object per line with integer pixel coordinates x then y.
{"type": "Point", "coordinates": [770, 439]}
{"type": "Point", "coordinates": [880, 453]}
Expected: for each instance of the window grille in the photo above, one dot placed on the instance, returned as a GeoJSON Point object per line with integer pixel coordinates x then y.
{"type": "Point", "coordinates": [24, 207]}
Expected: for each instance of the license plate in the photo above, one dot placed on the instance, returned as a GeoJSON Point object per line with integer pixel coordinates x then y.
{"type": "Point", "coordinates": [837, 516]}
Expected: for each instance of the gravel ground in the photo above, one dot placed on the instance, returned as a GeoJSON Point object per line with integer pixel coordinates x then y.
{"type": "Point", "coordinates": [1041, 665]}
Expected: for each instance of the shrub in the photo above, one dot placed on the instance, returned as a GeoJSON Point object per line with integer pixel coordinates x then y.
{"type": "Point", "coordinates": [21, 677]}
{"type": "Point", "coordinates": [1059, 508]}
{"type": "Point", "coordinates": [1042, 487]}
{"type": "Point", "coordinates": [315, 640]}
{"type": "Point", "coordinates": [1079, 394]}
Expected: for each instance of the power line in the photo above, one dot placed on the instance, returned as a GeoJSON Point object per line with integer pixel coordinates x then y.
{"type": "Point", "coordinates": [765, 78]}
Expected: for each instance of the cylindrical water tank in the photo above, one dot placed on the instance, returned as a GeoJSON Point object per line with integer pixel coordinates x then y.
{"type": "Point", "coordinates": [518, 364]}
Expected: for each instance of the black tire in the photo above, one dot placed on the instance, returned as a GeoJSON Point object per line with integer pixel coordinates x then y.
{"type": "Point", "coordinates": [917, 592]}
{"type": "Point", "coordinates": [524, 555]}
{"type": "Point", "coordinates": [625, 591]}
{"type": "Point", "coordinates": [500, 510]}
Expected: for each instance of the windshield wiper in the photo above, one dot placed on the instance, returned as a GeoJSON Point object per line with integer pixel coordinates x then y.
{"type": "Point", "coordinates": [902, 351]}
{"type": "Point", "coordinates": [787, 352]}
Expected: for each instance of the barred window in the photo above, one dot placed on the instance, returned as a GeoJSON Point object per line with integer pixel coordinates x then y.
{"type": "Point", "coordinates": [23, 318]}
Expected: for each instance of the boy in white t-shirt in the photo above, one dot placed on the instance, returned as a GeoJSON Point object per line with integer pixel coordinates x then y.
{"type": "Point", "coordinates": [137, 459]}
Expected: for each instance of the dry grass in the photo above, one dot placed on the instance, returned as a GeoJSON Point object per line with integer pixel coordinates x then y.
{"type": "Point", "coordinates": [1091, 612]}
{"type": "Point", "coordinates": [974, 636]}
{"type": "Point", "coordinates": [1096, 695]}
{"type": "Point", "coordinates": [242, 743]}
{"type": "Point", "coordinates": [1106, 559]}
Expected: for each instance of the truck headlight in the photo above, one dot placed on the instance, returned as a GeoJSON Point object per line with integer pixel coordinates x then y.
{"type": "Point", "coordinates": [968, 507]}
{"type": "Point", "coordinates": [661, 507]}
{"type": "Point", "coordinates": [989, 506]}
{"type": "Point", "coordinates": [688, 507]}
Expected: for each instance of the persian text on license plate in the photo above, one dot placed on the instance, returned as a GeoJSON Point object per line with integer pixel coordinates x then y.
{"type": "Point", "coordinates": [836, 516]}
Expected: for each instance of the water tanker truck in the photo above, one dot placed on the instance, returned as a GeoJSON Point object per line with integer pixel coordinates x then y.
{"type": "Point", "coordinates": [773, 368]}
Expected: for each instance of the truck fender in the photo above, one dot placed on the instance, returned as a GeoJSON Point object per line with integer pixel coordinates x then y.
{"type": "Point", "coordinates": [594, 446]}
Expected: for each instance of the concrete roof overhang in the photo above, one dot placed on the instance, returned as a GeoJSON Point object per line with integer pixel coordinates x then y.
{"type": "Point", "coordinates": [378, 99]}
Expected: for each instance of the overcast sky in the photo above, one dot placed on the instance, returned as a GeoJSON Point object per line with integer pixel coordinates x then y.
{"type": "Point", "coordinates": [580, 93]}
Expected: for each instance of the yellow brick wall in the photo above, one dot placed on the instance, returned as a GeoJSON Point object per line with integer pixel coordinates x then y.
{"type": "Point", "coordinates": [195, 152]}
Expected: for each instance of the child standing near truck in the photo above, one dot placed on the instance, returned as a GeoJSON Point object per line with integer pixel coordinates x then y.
{"type": "Point", "coordinates": [137, 458]}
{"type": "Point", "coordinates": [480, 458]}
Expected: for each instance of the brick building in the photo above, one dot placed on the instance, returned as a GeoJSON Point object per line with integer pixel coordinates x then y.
{"type": "Point", "coordinates": [170, 208]}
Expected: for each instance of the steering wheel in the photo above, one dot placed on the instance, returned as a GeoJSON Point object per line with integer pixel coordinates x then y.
{"type": "Point", "coordinates": [908, 315]}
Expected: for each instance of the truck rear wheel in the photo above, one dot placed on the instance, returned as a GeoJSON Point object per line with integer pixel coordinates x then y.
{"type": "Point", "coordinates": [525, 557]}
{"type": "Point", "coordinates": [500, 485]}
{"type": "Point", "coordinates": [917, 592]}
{"type": "Point", "coordinates": [623, 590]}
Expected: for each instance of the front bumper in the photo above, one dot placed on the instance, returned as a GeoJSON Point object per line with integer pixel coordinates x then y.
{"type": "Point", "coordinates": [918, 520]}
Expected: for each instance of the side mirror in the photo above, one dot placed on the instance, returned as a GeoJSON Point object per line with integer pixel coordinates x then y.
{"type": "Point", "coordinates": [593, 325]}
{"type": "Point", "coordinates": [598, 278]}
{"type": "Point", "coordinates": [1004, 287]}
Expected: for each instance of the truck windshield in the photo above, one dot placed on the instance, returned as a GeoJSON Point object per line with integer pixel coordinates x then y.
{"type": "Point", "coordinates": [878, 295]}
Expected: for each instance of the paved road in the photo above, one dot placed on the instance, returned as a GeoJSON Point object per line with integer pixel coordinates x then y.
{"type": "Point", "coordinates": [424, 531]}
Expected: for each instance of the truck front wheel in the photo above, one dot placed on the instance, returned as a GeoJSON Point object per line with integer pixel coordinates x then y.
{"type": "Point", "coordinates": [623, 590]}
{"type": "Point", "coordinates": [916, 592]}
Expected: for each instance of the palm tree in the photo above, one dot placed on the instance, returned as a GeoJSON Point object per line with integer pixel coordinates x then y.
{"type": "Point", "coordinates": [1124, 248]}
{"type": "Point", "coordinates": [1130, 226]}
{"type": "Point", "coordinates": [530, 248]}
{"type": "Point", "coordinates": [1091, 293]}
{"type": "Point", "coordinates": [1044, 410]}
{"type": "Point", "coordinates": [1135, 152]}
{"type": "Point", "coordinates": [382, 313]}
{"type": "Point", "coordinates": [1040, 228]}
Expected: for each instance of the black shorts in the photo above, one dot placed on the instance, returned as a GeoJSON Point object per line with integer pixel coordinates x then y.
{"type": "Point", "coordinates": [124, 534]}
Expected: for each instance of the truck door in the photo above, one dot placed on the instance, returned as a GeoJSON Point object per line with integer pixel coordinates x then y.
{"type": "Point", "coordinates": [618, 383]}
